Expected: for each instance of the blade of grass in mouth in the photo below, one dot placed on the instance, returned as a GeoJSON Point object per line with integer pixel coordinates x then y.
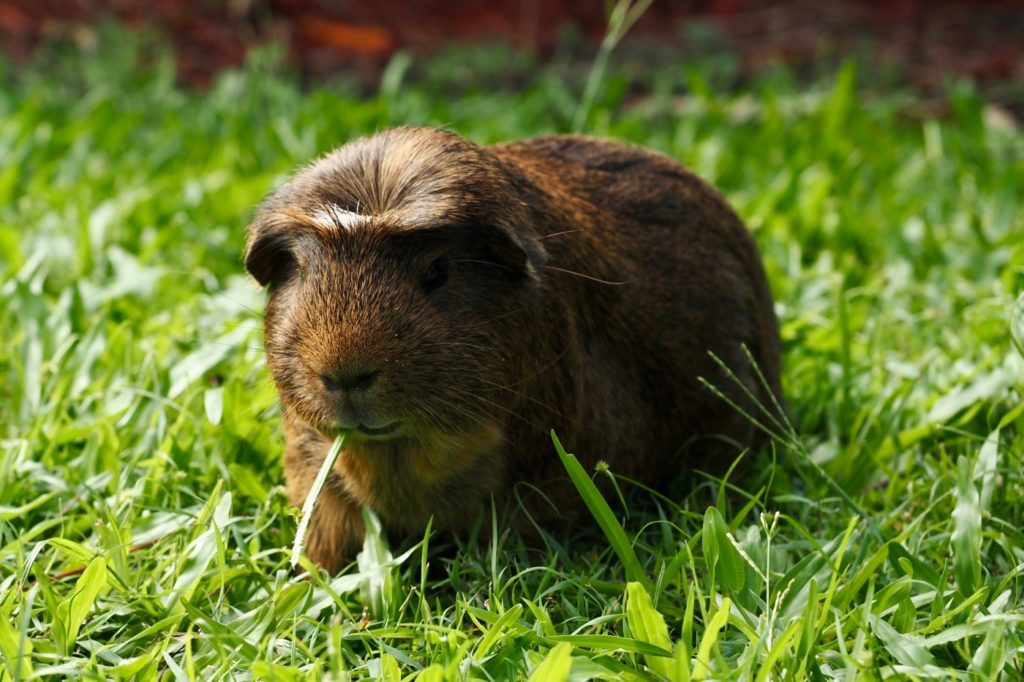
{"type": "Point", "coordinates": [314, 493]}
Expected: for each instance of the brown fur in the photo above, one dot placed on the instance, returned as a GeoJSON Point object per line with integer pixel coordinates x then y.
{"type": "Point", "coordinates": [586, 283]}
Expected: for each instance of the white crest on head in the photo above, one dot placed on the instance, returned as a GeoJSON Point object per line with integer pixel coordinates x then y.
{"type": "Point", "coordinates": [332, 217]}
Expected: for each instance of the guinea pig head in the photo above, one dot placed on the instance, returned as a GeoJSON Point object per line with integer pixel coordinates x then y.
{"type": "Point", "coordinates": [397, 267]}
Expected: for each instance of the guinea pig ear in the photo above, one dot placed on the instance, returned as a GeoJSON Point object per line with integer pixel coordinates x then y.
{"type": "Point", "coordinates": [520, 254]}
{"type": "Point", "coordinates": [270, 252]}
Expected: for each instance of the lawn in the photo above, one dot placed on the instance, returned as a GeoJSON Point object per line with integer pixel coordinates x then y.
{"type": "Point", "coordinates": [143, 528]}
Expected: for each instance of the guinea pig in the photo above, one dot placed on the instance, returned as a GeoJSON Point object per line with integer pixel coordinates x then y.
{"type": "Point", "coordinates": [449, 304]}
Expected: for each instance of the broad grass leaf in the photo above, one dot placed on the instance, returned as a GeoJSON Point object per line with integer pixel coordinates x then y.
{"type": "Point", "coordinates": [648, 625]}
{"type": "Point", "coordinates": [685, 644]}
{"type": "Point", "coordinates": [388, 669]}
{"type": "Point", "coordinates": [918, 568]}
{"type": "Point", "coordinates": [604, 668]}
{"type": "Point", "coordinates": [140, 667]}
{"type": "Point", "coordinates": [213, 403]}
{"type": "Point", "coordinates": [497, 631]}
{"type": "Point", "coordinates": [556, 665]}
{"type": "Point", "coordinates": [813, 566]}
{"type": "Point", "coordinates": [907, 650]}
{"type": "Point", "coordinates": [351, 582]}
{"type": "Point", "coordinates": [290, 599]}
{"type": "Point", "coordinates": [1017, 324]}
{"type": "Point", "coordinates": [433, 673]}
{"type": "Point", "coordinates": [905, 615]}
{"type": "Point", "coordinates": [965, 396]}
{"type": "Point", "coordinates": [7, 513]}
{"type": "Point", "coordinates": [541, 617]}
{"type": "Point", "coordinates": [376, 566]}
{"type": "Point", "coordinates": [216, 630]}
{"type": "Point", "coordinates": [72, 611]}
{"type": "Point", "coordinates": [710, 543]}
{"type": "Point", "coordinates": [778, 650]}
{"type": "Point", "coordinates": [966, 536]}
{"type": "Point", "coordinates": [179, 673]}
{"type": "Point", "coordinates": [603, 514]}
{"type": "Point", "coordinates": [31, 370]}
{"type": "Point", "coordinates": [986, 468]}
{"type": "Point", "coordinates": [810, 622]}
{"type": "Point", "coordinates": [841, 102]}
{"type": "Point", "coordinates": [681, 663]}
{"type": "Point", "coordinates": [892, 594]}
{"type": "Point", "coordinates": [850, 591]}
{"type": "Point", "coordinates": [74, 551]}
{"type": "Point", "coordinates": [1011, 416]}
{"type": "Point", "coordinates": [393, 76]}
{"type": "Point", "coordinates": [15, 650]}
{"type": "Point", "coordinates": [724, 560]}
{"type": "Point", "coordinates": [247, 482]}
{"type": "Point", "coordinates": [200, 552]}
{"type": "Point", "coordinates": [990, 658]}
{"type": "Point", "coordinates": [204, 358]}
{"type": "Point", "coordinates": [131, 276]}
{"type": "Point", "coordinates": [710, 639]}
{"type": "Point", "coordinates": [611, 643]}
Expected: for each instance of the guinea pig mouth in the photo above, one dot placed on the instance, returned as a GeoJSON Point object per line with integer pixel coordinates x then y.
{"type": "Point", "coordinates": [353, 417]}
{"type": "Point", "coordinates": [385, 430]}
{"type": "Point", "coordinates": [364, 432]}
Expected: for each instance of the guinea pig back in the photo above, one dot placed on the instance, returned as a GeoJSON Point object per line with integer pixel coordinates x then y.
{"type": "Point", "coordinates": [448, 305]}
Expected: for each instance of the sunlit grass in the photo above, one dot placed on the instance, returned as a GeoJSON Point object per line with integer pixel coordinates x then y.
{"type": "Point", "coordinates": [143, 529]}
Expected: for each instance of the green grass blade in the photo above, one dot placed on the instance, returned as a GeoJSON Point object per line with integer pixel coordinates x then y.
{"type": "Point", "coordinates": [15, 649]}
{"type": "Point", "coordinates": [377, 585]}
{"type": "Point", "coordinates": [497, 631]}
{"type": "Point", "coordinates": [72, 611]}
{"type": "Point", "coordinates": [314, 495]}
{"type": "Point", "coordinates": [611, 643]}
{"type": "Point", "coordinates": [556, 665]}
{"type": "Point", "coordinates": [646, 624]}
{"type": "Point", "coordinates": [966, 537]}
{"type": "Point", "coordinates": [604, 516]}
{"type": "Point", "coordinates": [710, 639]}
{"type": "Point", "coordinates": [778, 650]}
{"type": "Point", "coordinates": [724, 561]}
{"type": "Point", "coordinates": [905, 649]}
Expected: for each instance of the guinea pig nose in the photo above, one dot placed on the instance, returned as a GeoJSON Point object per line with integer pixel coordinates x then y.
{"type": "Point", "coordinates": [350, 380]}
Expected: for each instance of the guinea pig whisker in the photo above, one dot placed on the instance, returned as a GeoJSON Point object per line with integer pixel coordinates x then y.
{"type": "Point", "coordinates": [258, 349]}
{"type": "Point", "coordinates": [473, 417]}
{"type": "Point", "coordinates": [252, 408]}
{"type": "Point", "coordinates": [580, 274]}
{"type": "Point", "coordinates": [484, 400]}
{"type": "Point", "coordinates": [498, 317]}
{"type": "Point", "coordinates": [540, 371]}
{"type": "Point", "coordinates": [417, 407]}
{"type": "Point", "coordinates": [557, 234]}
{"type": "Point", "coordinates": [499, 387]}
{"type": "Point", "coordinates": [480, 262]}
{"type": "Point", "coordinates": [487, 349]}
{"type": "Point", "coordinates": [255, 312]}
{"type": "Point", "coordinates": [438, 421]}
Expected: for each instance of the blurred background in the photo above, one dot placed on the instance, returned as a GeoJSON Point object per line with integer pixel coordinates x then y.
{"type": "Point", "coordinates": [916, 43]}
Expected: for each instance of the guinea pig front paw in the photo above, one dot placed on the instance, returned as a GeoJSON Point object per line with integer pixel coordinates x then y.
{"type": "Point", "coordinates": [335, 532]}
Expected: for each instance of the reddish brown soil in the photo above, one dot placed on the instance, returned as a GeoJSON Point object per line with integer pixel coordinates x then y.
{"type": "Point", "coordinates": [926, 39]}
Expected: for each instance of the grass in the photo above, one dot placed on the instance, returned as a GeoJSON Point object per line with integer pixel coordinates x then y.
{"type": "Point", "coordinates": [143, 529]}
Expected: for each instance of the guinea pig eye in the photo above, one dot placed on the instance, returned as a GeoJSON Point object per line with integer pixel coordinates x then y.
{"type": "Point", "coordinates": [435, 276]}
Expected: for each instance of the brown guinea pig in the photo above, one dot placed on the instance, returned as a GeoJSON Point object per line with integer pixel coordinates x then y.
{"type": "Point", "coordinates": [449, 305]}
